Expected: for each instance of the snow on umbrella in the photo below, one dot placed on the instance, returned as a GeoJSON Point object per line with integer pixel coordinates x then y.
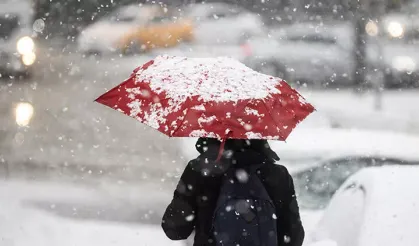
{"type": "Point", "coordinates": [208, 97]}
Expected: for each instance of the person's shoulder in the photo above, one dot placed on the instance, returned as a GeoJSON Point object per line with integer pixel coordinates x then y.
{"type": "Point", "coordinates": [206, 167]}
{"type": "Point", "coordinates": [275, 175]}
{"type": "Point", "coordinates": [277, 168]}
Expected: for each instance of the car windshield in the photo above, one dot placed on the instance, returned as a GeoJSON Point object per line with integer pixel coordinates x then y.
{"type": "Point", "coordinates": [124, 14]}
{"type": "Point", "coordinates": [312, 34]}
{"type": "Point", "coordinates": [8, 23]}
{"type": "Point", "coordinates": [316, 186]}
{"type": "Point", "coordinates": [206, 10]}
{"type": "Point", "coordinates": [161, 19]}
{"type": "Point", "coordinates": [118, 17]}
{"type": "Point", "coordinates": [312, 38]}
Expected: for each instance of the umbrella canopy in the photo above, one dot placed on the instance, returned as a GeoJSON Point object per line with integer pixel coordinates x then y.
{"type": "Point", "coordinates": [208, 97]}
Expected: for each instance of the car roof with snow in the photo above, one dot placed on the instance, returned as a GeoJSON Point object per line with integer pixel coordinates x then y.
{"type": "Point", "coordinates": [333, 30]}
{"type": "Point", "coordinates": [141, 12]}
{"type": "Point", "coordinates": [201, 10]}
{"type": "Point", "coordinates": [392, 200]}
{"type": "Point", "coordinates": [388, 181]}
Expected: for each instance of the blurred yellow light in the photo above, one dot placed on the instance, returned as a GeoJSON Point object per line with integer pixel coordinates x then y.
{"type": "Point", "coordinates": [371, 28]}
{"type": "Point", "coordinates": [395, 29]}
{"type": "Point", "coordinates": [25, 45]}
{"type": "Point", "coordinates": [29, 59]}
{"type": "Point", "coordinates": [23, 113]}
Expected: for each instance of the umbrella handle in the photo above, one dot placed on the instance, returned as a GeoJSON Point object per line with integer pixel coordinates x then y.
{"type": "Point", "coordinates": [223, 142]}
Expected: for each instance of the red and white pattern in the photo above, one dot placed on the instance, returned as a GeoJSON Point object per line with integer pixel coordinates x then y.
{"type": "Point", "coordinates": [208, 97]}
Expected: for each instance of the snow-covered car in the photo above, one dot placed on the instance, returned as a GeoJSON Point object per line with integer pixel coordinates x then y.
{"type": "Point", "coordinates": [17, 44]}
{"type": "Point", "coordinates": [159, 32]}
{"type": "Point", "coordinates": [222, 23]}
{"type": "Point", "coordinates": [315, 155]}
{"type": "Point", "coordinates": [376, 206]}
{"type": "Point", "coordinates": [315, 193]}
{"type": "Point", "coordinates": [312, 53]}
{"type": "Point", "coordinates": [133, 28]}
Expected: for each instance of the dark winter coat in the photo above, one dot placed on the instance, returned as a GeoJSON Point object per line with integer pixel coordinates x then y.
{"type": "Point", "coordinates": [196, 195]}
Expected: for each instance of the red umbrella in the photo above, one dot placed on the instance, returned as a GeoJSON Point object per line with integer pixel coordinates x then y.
{"type": "Point", "coordinates": [208, 97]}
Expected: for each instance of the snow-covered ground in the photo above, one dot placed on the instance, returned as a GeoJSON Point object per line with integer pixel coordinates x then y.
{"type": "Point", "coordinates": [24, 223]}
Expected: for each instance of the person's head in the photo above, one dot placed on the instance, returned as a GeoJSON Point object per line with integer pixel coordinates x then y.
{"type": "Point", "coordinates": [236, 145]}
{"type": "Point", "coordinates": [210, 148]}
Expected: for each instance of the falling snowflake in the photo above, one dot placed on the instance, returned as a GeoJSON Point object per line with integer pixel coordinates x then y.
{"type": "Point", "coordinates": [242, 176]}
{"type": "Point", "coordinates": [190, 217]}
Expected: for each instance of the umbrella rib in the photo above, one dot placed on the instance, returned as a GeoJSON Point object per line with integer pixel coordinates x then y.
{"type": "Point", "coordinates": [183, 120]}
{"type": "Point", "coordinates": [270, 115]}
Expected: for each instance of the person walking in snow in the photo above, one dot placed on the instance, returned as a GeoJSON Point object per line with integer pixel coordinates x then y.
{"type": "Point", "coordinates": [233, 193]}
{"type": "Point", "coordinates": [243, 198]}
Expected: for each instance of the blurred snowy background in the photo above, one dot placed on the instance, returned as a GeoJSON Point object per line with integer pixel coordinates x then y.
{"type": "Point", "coordinates": [75, 173]}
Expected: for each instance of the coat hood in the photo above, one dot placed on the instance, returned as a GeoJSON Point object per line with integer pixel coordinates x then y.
{"type": "Point", "coordinates": [211, 146]}
{"type": "Point", "coordinates": [237, 152]}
